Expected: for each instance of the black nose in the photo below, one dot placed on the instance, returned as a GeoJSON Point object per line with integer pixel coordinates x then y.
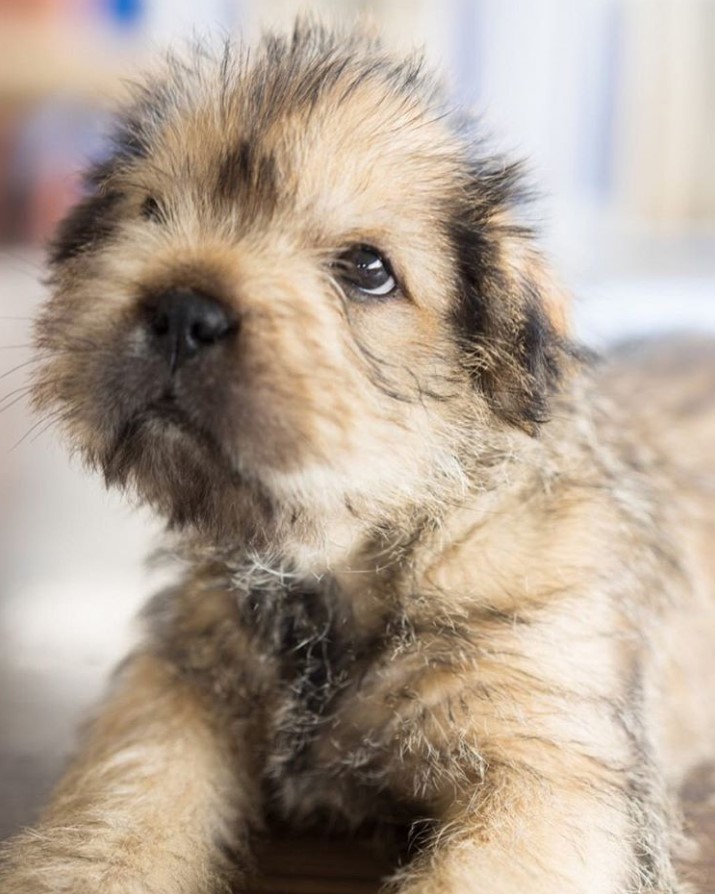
{"type": "Point", "coordinates": [185, 322]}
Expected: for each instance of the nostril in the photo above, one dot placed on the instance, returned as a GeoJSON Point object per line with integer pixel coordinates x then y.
{"type": "Point", "coordinates": [185, 322]}
{"type": "Point", "coordinates": [160, 323]}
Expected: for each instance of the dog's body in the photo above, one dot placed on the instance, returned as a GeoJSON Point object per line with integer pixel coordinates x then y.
{"type": "Point", "coordinates": [442, 569]}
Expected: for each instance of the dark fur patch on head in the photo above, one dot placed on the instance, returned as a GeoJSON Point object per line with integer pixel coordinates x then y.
{"type": "Point", "coordinates": [135, 130]}
{"type": "Point", "coordinates": [151, 209]}
{"type": "Point", "coordinates": [131, 134]}
{"type": "Point", "coordinates": [95, 218]}
{"type": "Point", "coordinates": [540, 349]}
{"type": "Point", "coordinates": [516, 361]}
{"type": "Point", "coordinates": [130, 140]}
{"type": "Point", "coordinates": [90, 224]}
{"type": "Point", "coordinates": [247, 173]}
{"type": "Point", "coordinates": [511, 347]}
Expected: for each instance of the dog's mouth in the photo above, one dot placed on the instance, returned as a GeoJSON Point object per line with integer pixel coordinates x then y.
{"type": "Point", "coordinates": [180, 468]}
{"type": "Point", "coordinates": [160, 434]}
{"type": "Point", "coordinates": [168, 409]}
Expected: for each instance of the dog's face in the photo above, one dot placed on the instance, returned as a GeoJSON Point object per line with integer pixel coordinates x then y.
{"type": "Point", "coordinates": [293, 288]}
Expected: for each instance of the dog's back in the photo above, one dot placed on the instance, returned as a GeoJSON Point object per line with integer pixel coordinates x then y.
{"type": "Point", "coordinates": [667, 389]}
{"type": "Point", "coordinates": [664, 392]}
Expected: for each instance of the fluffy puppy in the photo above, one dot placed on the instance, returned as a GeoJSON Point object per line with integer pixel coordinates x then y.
{"type": "Point", "coordinates": [442, 568]}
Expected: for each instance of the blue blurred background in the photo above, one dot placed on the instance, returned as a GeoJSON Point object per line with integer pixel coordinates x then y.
{"type": "Point", "coordinates": [611, 101]}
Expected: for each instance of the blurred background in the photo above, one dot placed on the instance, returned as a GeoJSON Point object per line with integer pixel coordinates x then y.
{"type": "Point", "coordinates": [611, 101]}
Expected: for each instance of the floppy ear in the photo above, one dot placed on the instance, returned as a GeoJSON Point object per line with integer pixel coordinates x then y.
{"type": "Point", "coordinates": [88, 225]}
{"type": "Point", "coordinates": [95, 218]}
{"type": "Point", "coordinates": [511, 316]}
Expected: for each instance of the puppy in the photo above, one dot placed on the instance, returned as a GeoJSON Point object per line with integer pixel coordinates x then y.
{"type": "Point", "coordinates": [441, 567]}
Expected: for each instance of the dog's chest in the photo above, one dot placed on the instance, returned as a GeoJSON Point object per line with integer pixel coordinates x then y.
{"type": "Point", "coordinates": [326, 663]}
{"type": "Point", "coordinates": [312, 642]}
{"type": "Point", "coordinates": [316, 647]}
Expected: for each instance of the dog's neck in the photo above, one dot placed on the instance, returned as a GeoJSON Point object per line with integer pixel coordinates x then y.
{"type": "Point", "coordinates": [393, 563]}
{"type": "Point", "coordinates": [372, 572]}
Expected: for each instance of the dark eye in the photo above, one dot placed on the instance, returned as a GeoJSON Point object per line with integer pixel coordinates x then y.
{"type": "Point", "coordinates": [366, 271]}
{"type": "Point", "coordinates": [151, 210]}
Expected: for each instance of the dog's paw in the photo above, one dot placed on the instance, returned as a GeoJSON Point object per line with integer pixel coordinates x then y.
{"type": "Point", "coordinates": [44, 861]}
{"type": "Point", "coordinates": [84, 859]}
{"type": "Point", "coordinates": [66, 878]}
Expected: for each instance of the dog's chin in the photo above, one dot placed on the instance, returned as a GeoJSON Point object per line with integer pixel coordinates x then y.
{"type": "Point", "coordinates": [162, 437]}
{"type": "Point", "coordinates": [201, 486]}
{"type": "Point", "coordinates": [181, 470]}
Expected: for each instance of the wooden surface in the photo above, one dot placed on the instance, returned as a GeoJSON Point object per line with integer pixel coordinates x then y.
{"type": "Point", "coordinates": [312, 865]}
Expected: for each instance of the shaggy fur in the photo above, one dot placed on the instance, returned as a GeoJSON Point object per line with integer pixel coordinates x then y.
{"type": "Point", "coordinates": [442, 568]}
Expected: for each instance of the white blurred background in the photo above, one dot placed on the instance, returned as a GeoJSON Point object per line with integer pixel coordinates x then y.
{"type": "Point", "coordinates": [611, 101]}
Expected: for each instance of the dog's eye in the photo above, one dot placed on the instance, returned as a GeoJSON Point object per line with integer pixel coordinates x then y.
{"type": "Point", "coordinates": [365, 271]}
{"type": "Point", "coordinates": [151, 209]}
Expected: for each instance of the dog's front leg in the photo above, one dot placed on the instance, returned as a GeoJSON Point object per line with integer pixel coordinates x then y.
{"type": "Point", "coordinates": [531, 786]}
{"type": "Point", "coordinates": [521, 835]}
{"type": "Point", "coordinates": [154, 803]}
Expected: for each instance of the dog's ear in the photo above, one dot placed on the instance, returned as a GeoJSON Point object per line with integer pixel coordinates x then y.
{"type": "Point", "coordinates": [95, 218]}
{"type": "Point", "coordinates": [511, 316]}
{"type": "Point", "coordinates": [88, 225]}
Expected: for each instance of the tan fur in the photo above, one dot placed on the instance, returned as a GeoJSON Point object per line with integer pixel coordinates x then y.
{"type": "Point", "coordinates": [442, 571]}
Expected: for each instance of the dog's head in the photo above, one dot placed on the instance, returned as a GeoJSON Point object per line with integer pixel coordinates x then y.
{"type": "Point", "coordinates": [295, 286]}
